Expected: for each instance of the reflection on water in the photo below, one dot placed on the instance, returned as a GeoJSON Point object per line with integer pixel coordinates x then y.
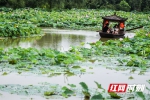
{"type": "Point", "coordinates": [59, 41]}
{"type": "Point", "coordinates": [56, 39]}
{"type": "Point", "coordinates": [129, 35]}
{"type": "Point", "coordinates": [14, 42]}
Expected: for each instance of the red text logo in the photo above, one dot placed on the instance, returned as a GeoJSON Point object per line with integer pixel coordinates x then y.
{"type": "Point", "coordinates": [117, 88]}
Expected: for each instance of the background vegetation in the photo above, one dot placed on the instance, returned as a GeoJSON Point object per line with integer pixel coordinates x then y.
{"type": "Point", "coordinates": [125, 5]}
{"type": "Point", "coordinates": [28, 22]}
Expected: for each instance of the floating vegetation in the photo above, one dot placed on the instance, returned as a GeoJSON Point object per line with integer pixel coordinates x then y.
{"type": "Point", "coordinates": [50, 90]}
{"type": "Point", "coordinates": [47, 89]}
{"type": "Point", "coordinates": [5, 73]}
{"type": "Point", "coordinates": [131, 78]}
{"type": "Point", "coordinates": [24, 22]}
{"type": "Point", "coordinates": [29, 89]}
{"type": "Point", "coordinates": [18, 30]}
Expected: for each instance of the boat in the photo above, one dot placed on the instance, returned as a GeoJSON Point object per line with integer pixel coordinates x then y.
{"type": "Point", "coordinates": [107, 35]}
{"type": "Point", "coordinates": [119, 21]}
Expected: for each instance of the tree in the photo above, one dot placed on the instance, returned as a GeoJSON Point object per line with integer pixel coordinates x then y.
{"type": "Point", "coordinates": [135, 4]}
{"type": "Point", "coordinates": [3, 2]}
{"type": "Point", "coordinates": [56, 4]}
{"type": "Point", "coordinates": [145, 6]}
{"type": "Point", "coordinates": [126, 5]}
{"type": "Point", "coordinates": [94, 4]}
{"type": "Point", "coordinates": [123, 5]}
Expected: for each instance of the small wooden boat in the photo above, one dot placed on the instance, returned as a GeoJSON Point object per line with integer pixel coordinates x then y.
{"type": "Point", "coordinates": [112, 33]}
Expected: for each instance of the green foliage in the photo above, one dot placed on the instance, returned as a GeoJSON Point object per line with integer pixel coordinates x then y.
{"type": "Point", "coordinates": [136, 48]}
{"type": "Point", "coordinates": [18, 55]}
{"type": "Point", "coordinates": [136, 4]}
{"type": "Point", "coordinates": [66, 92]}
{"type": "Point", "coordinates": [98, 85]}
{"type": "Point", "coordinates": [24, 22]}
{"type": "Point", "coordinates": [85, 90]}
{"type": "Point", "coordinates": [5, 73]}
{"type": "Point", "coordinates": [16, 23]}
{"type": "Point", "coordinates": [49, 93]}
{"type": "Point", "coordinates": [124, 6]}
{"type": "Point", "coordinates": [97, 97]}
{"type": "Point", "coordinates": [84, 86]}
{"type": "Point", "coordinates": [114, 95]}
{"type": "Point", "coordinates": [16, 3]}
{"type": "Point", "coordinates": [137, 62]}
{"type": "Point", "coordinates": [141, 95]}
{"type": "Point", "coordinates": [48, 89]}
{"type": "Point", "coordinates": [69, 4]}
{"type": "Point", "coordinates": [18, 30]}
{"type": "Point", "coordinates": [108, 7]}
{"type": "Point", "coordinates": [5, 9]}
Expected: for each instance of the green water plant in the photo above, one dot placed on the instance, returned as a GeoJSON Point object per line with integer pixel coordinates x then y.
{"type": "Point", "coordinates": [85, 90]}
{"type": "Point", "coordinates": [49, 93]}
{"type": "Point", "coordinates": [137, 62]}
{"type": "Point", "coordinates": [141, 95]}
{"type": "Point", "coordinates": [114, 95]}
{"type": "Point", "coordinates": [18, 30]}
{"type": "Point", "coordinates": [87, 93]}
{"type": "Point", "coordinates": [66, 92]}
{"type": "Point", "coordinates": [24, 22]}
{"type": "Point", "coordinates": [97, 97]}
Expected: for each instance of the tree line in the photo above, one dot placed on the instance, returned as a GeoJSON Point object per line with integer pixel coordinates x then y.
{"type": "Point", "coordinates": [125, 5]}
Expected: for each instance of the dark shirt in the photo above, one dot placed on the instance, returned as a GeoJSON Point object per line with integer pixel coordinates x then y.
{"type": "Point", "coordinates": [105, 29]}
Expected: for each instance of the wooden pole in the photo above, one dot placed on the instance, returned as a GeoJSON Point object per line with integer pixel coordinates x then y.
{"type": "Point", "coordinates": [134, 28]}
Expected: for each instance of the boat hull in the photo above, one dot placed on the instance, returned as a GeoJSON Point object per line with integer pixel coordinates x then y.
{"type": "Point", "coordinates": [109, 35]}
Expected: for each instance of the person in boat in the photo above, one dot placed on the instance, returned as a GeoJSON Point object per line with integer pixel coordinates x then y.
{"type": "Point", "coordinates": [122, 26]}
{"type": "Point", "coordinates": [116, 29]}
{"type": "Point", "coordinates": [106, 28]}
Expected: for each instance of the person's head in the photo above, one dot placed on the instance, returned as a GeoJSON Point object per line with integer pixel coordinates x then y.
{"type": "Point", "coordinates": [107, 24]}
{"type": "Point", "coordinates": [115, 26]}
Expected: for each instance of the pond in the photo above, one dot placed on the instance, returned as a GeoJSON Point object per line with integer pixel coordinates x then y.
{"type": "Point", "coordinates": [101, 71]}
{"type": "Point", "coordinates": [56, 39]}
{"type": "Point", "coordinates": [101, 74]}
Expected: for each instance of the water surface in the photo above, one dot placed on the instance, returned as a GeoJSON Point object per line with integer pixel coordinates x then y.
{"type": "Point", "coordinates": [56, 39]}
{"type": "Point", "coordinates": [62, 40]}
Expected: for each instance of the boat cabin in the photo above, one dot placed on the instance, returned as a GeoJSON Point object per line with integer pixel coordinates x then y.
{"type": "Point", "coordinates": [113, 26]}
